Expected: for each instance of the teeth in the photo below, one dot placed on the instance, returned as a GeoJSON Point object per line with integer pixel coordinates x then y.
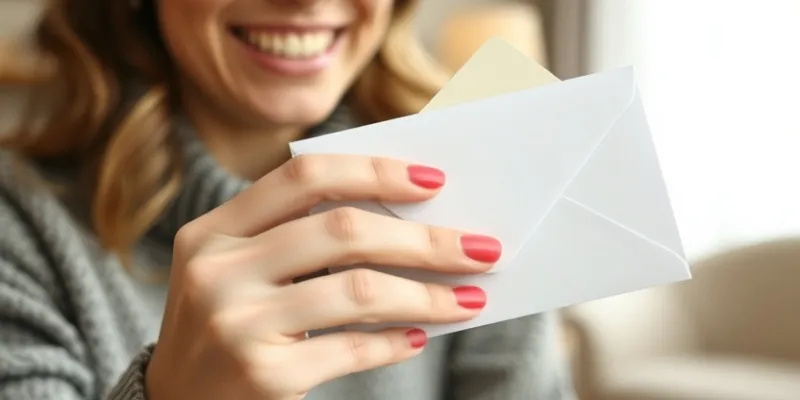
{"type": "Point", "coordinates": [291, 45]}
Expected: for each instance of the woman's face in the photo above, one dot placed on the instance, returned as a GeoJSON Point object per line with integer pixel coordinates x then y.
{"type": "Point", "coordinates": [273, 62]}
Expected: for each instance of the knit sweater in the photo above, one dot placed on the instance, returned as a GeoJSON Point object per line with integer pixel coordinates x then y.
{"type": "Point", "coordinates": [74, 324]}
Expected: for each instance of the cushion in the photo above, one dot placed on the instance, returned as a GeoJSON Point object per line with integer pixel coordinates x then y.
{"type": "Point", "coordinates": [700, 377]}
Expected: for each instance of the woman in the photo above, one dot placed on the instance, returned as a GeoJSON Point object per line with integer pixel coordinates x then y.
{"type": "Point", "coordinates": [134, 163]}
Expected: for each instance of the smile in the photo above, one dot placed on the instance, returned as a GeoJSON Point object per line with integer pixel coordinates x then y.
{"type": "Point", "coordinates": [294, 45]}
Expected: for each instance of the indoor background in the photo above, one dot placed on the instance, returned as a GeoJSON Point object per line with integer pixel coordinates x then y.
{"type": "Point", "coordinates": [720, 81]}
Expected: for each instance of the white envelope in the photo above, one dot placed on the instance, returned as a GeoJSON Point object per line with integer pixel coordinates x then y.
{"type": "Point", "coordinates": [565, 175]}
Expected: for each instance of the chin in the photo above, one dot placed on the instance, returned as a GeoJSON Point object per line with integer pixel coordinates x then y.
{"type": "Point", "coordinates": [294, 109]}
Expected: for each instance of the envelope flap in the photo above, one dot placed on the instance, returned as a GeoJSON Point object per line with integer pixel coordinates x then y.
{"type": "Point", "coordinates": [507, 158]}
{"type": "Point", "coordinates": [622, 181]}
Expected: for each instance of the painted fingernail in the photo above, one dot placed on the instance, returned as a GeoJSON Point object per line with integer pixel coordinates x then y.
{"type": "Point", "coordinates": [470, 297]}
{"type": "Point", "coordinates": [417, 338]}
{"type": "Point", "coordinates": [481, 248]}
{"type": "Point", "coordinates": [426, 177]}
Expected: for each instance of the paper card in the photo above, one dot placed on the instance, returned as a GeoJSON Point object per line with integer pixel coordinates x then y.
{"type": "Point", "coordinates": [564, 174]}
{"type": "Point", "coordinates": [496, 68]}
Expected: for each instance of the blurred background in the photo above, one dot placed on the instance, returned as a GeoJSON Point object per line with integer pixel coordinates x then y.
{"type": "Point", "coordinates": [721, 84]}
{"type": "Point", "coordinates": [720, 81]}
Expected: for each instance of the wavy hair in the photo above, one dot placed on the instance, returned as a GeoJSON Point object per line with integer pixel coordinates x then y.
{"type": "Point", "coordinates": [127, 150]}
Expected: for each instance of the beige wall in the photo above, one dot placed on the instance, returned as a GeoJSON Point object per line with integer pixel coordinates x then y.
{"type": "Point", "coordinates": [17, 16]}
{"type": "Point", "coordinates": [564, 24]}
{"type": "Point", "coordinates": [433, 12]}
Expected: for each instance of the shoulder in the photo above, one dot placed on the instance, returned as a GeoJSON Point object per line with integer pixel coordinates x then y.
{"type": "Point", "coordinates": [32, 216]}
{"type": "Point", "coordinates": [22, 184]}
{"type": "Point", "coordinates": [42, 246]}
{"type": "Point", "coordinates": [21, 187]}
{"type": "Point", "coordinates": [14, 103]}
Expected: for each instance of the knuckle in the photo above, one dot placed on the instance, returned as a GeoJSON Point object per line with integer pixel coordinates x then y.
{"type": "Point", "coordinates": [358, 349]}
{"type": "Point", "coordinates": [432, 297]}
{"type": "Point", "coordinates": [269, 372]}
{"type": "Point", "coordinates": [434, 237]}
{"type": "Point", "coordinates": [440, 249]}
{"type": "Point", "coordinates": [342, 224]}
{"type": "Point", "coordinates": [273, 360]}
{"type": "Point", "coordinates": [211, 264]}
{"type": "Point", "coordinates": [217, 326]}
{"type": "Point", "coordinates": [196, 279]}
{"type": "Point", "coordinates": [188, 238]}
{"type": "Point", "coordinates": [361, 287]}
{"type": "Point", "coordinates": [204, 273]}
{"type": "Point", "coordinates": [195, 273]}
{"type": "Point", "coordinates": [304, 168]}
{"type": "Point", "coordinates": [393, 348]}
{"type": "Point", "coordinates": [380, 170]}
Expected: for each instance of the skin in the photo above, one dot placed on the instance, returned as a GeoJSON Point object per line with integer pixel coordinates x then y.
{"type": "Point", "coordinates": [234, 323]}
{"type": "Point", "coordinates": [237, 106]}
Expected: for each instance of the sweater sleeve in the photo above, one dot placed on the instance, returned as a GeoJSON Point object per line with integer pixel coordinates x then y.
{"type": "Point", "coordinates": [516, 359]}
{"type": "Point", "coordinates": [43, 355]}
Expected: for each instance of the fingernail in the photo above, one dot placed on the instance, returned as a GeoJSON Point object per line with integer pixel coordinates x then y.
{"type": "Point", "coordinates": [426, 177]}
{"type": "Point", "coordinates": [481, 248]}
{"type": "Point", "coordinates": [417, 338]}
{"type": "Point", "coordinates": [470, 297]}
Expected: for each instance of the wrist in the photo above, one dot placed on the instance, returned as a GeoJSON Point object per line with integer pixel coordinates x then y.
{"type": "Point", "coordinates": [153, 382]}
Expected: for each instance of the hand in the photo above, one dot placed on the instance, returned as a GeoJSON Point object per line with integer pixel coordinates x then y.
{"type": "Point", "coordinates": [234, 324]}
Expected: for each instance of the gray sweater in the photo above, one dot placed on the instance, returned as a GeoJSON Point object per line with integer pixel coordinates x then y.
{"type": "Point", "coordinates": [75, 325]}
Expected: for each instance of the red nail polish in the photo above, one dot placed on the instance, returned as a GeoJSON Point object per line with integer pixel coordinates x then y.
{"type": "Point", "coordinates": [471, 297]}
{"type": "Point", "coordinates": [417, 338]}
{"type": "Point", "coordinates": [426, 177]}
{"type": "Point", "coordinates": [481, 248]}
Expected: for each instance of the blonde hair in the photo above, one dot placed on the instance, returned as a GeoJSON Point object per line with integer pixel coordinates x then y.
{"type": "Point", "coordinates": [102, 44]}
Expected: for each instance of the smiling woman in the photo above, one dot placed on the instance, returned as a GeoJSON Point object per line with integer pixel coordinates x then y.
{"type": "Point", "coordinates": [254, 89]}
{"type": "Point", "coordinates": [164, 125]}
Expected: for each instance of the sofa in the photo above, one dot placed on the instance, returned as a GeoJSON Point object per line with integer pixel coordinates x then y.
{"type": "Point", "coordinates": [731, 333]}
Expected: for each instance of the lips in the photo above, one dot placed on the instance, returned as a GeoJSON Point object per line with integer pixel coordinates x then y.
{"type": "Point", "coordinates": [287, 43]}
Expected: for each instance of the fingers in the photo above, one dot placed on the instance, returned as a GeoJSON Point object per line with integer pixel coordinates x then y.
{"type": "Point", "coordinates": [364, 296]}
{"type": "Point", "coordinates": [348, 236]}
{"type": "Point", "coordinates": [291, 190]}
{"type": "Point", "coordinates": [331, 356]}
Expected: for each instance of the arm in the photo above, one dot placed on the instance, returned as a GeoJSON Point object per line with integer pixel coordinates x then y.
{"type": "Point", "coordinates": [43, 355]}
{"type": "Point", "coordinates": [517, 359]}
